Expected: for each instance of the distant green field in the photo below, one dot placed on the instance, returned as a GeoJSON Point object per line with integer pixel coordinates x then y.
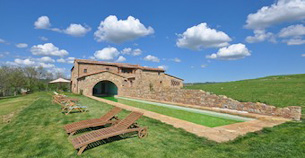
{"type": "Point", "coordinates": [279, 91]}
{"type": "Point", "coordinates": [197, 118]}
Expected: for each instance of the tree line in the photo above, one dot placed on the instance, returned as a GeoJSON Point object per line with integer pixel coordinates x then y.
{"type": "Point", "coordinates": [16, 80]}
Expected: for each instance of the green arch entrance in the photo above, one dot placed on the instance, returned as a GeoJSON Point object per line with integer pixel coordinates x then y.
{"type": "Point", "coordinates": [105, 88]}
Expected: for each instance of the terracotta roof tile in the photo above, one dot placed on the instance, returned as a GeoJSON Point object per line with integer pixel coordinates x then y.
{"type": "Point", "coordinates": [117, 64]}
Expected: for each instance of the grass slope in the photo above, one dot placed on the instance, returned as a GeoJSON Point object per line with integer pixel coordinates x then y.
{"type": "Point", "coordinates": [37, 132]}
{"type": "Point", "coordinates": [279, 91]}
{"type": "Point", "coordinates": [197, 118]}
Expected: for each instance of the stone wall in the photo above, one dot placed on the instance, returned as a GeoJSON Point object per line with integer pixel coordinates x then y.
{"type": "Point", "coordinates": [202, 98]}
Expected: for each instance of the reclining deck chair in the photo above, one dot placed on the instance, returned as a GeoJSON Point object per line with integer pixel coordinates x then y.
{"type": "Point", "coordinates": [108, 118]}
{"type": "Point", "coordinates": [124, 126]}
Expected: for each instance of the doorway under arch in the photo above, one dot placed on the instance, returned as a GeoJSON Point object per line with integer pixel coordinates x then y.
{"type": "Point", "coordinates": [105, 88]}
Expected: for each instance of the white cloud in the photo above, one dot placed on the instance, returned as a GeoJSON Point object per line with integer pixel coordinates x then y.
{"type": "Point", "coordinates": [261, 35]}
{"type": "Point", "coordinates": [48, 49]}
{"type": "Point", "coordinates": [294, 41]}
{"type": "Point", "coordinates": [203, 66]}
{"type": "Point", "coordinates": [232, 52]}
{"type": "Point", "coordinates": [77, 30]}
{"type": "Point", "coordinates": [121, 59]}
{"type": "Point", "coordinates": [177, 60]}
{"type": "Point", "coordinates": [133, 52]}
{"type": "Point", "coordinates": [152, 58]}
{"type": "Point", "coordinates": [126, 51]}
{"type": "Point", "coordinates": [2, 40]}
{"type": "Point", "coordinates": [118, 31]}
{"type": "Point", "coordinates": [293, 30]}
{"type": "Point", "coordinates": [61, 60]}
{"type": "Point", "coordinates": [25, 62]}
{"type": "Point", "coordinates": [108, 53]}
{"type": "Point", "coordinates": [164, 67]}
{"type": "Point", "coordinates": [43, 38]}
{"type": "Point", "coordinates": [46, 65]}
{"type": "Point", "coordinates": [21, 45]}
{"type": "Point", "coordinates": [201, 36]}
{"type": "Point", "coordinates": [47, 59]}
{"type": "Point", "coordinates": [303, 55]}
{"type": "Point", "coordinates": [42, 22]}
{"type": "Point", "coordinates": [279, 12]}
{"type": "Point", "coordinates": [69, 60]}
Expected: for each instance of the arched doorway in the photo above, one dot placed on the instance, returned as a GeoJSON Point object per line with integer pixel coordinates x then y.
{"type": "Point", "coordinates": [105, 88]}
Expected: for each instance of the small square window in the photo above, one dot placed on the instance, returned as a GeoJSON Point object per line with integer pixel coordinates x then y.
{"type": "Point", "coordinates": [85, 70]}
{"type": "Point", "coordinates": [107, 69]}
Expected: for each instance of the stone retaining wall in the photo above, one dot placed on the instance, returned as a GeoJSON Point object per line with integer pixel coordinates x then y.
{"type": "Point", "coordinates": [202, 98]}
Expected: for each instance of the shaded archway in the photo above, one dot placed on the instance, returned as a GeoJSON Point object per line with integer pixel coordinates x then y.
{"type": "Point", "coordinates": [105, 88]}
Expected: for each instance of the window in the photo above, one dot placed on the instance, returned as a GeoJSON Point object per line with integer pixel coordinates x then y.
{"type": "Point", "coordinates": [85, 70]}
{"type": "Point", "coordinates": [107, 68]}
{"type": "Point", "coordinates": [126, 70]}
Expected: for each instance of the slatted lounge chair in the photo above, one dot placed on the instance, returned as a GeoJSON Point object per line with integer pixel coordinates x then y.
{"type": "Point", "coordinates": [124, 126]}
{"type": "Point", "coordinates": [70, 106]}
{"type": "Point", "coordinates": [108, 118]}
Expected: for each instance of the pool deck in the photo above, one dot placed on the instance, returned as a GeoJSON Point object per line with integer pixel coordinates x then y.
{"type": "Point", "coordinates": [218, 134]}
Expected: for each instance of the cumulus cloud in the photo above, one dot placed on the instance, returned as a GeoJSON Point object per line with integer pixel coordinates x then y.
{"type": "Point", "coordinates": [164, 67]}
{"type": "Point", "coordinates": [2, 40]}
{"type": "Point", "coordinates": [21, 45]}
{"type": "Point", "coordinates": [121, 59]}
{"type": "Point", "coordinates": [42, 22]}
{"type": "Point", "coordinates": [152, 58]}
{"type": "Point", "coordinates": [133, 52]}
{"type": "Point", "coordinates": [201, 36]}
{"type": "Point", "coordinates": [177, 60]}
{"type": "Point", "coordinates": [232, 52]}
{"type": "Point", "coordinates": [293, 30]}
{"type": "Point", "coordinates": [26, 62]}
{"type": "Point", "coordinates": [108, 53]}
{"type": "Point", "coordinates": [261, 35]}
{"type": "Point", "coordinates": [43, 38]}
{"type": "Point", "coordinates": [303, 55]}
{"type": "Point", "coordinates": [294, 41]}
{"type": "Point", "coordinates": [69, 60]}
{"type": "Point", "coordinates": [203, 66]}
{"type": "Point", "coordinates": [76, 30]}
{"type": "Point", "coordinates": [279, 12]}
{"type": "Point", "coordinates": [48, 49]}
{"type": "Point", "coordinates": [47, 59]}
{"type": "Point", "coordinates": [119, 31]}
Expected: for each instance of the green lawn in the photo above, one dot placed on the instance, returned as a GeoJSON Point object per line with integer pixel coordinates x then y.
{"type": "Point", "coordinates": [10, 106]}
{"type": "Point", "coordinates": [197, 118]}
{"type": "Point", "coordinates": [37, 132]}
{"type": "Point", "coordinates": [279, 91]}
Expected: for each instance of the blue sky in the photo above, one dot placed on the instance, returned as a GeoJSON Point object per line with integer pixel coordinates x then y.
{"type": "Point", "coordinates": [198, 41]}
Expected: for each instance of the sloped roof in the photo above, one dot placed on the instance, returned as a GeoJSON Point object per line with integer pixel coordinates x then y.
{"type": "Point", "coordinates": [124, 65]}
{"type": "Point", "coordinates": [60, 80]}
{"type": "Point", "coordinates": [101, 72]}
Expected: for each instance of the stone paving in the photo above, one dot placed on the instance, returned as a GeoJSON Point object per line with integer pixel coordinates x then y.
{"type": "Point", "coordinates": [218, 134]}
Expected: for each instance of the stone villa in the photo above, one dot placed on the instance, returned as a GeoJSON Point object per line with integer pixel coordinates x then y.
{"type": "Point", "coordinates": [102, 78]}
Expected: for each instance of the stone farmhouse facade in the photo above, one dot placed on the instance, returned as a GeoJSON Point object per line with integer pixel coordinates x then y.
{"type": "Point", "coordinates": [90, 77]}
{"type": "Point", "coordinates": [101, 78]}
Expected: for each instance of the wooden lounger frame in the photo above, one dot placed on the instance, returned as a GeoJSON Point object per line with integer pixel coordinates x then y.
{"type": "Point", "coordinates": [124, 126]}
{"type": "Point", "coordinates": [67, 104]}
{"type": "Point", "coordinates": [108, 118]}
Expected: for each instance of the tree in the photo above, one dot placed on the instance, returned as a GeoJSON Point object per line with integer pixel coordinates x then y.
{"type": "Point", "coordinates": [16, 79]}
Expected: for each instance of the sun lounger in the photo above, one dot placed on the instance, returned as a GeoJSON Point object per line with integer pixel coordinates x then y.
{"type": "Point", "coordinates": [70, 106]}
{"type": "Point", "coordinates": [124, 126]}
{"type": "Point", "coordinates": [108, 118]}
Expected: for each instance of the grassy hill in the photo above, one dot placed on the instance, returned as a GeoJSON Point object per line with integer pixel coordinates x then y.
{"type": "Point", "coordinates": [279, 91]}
